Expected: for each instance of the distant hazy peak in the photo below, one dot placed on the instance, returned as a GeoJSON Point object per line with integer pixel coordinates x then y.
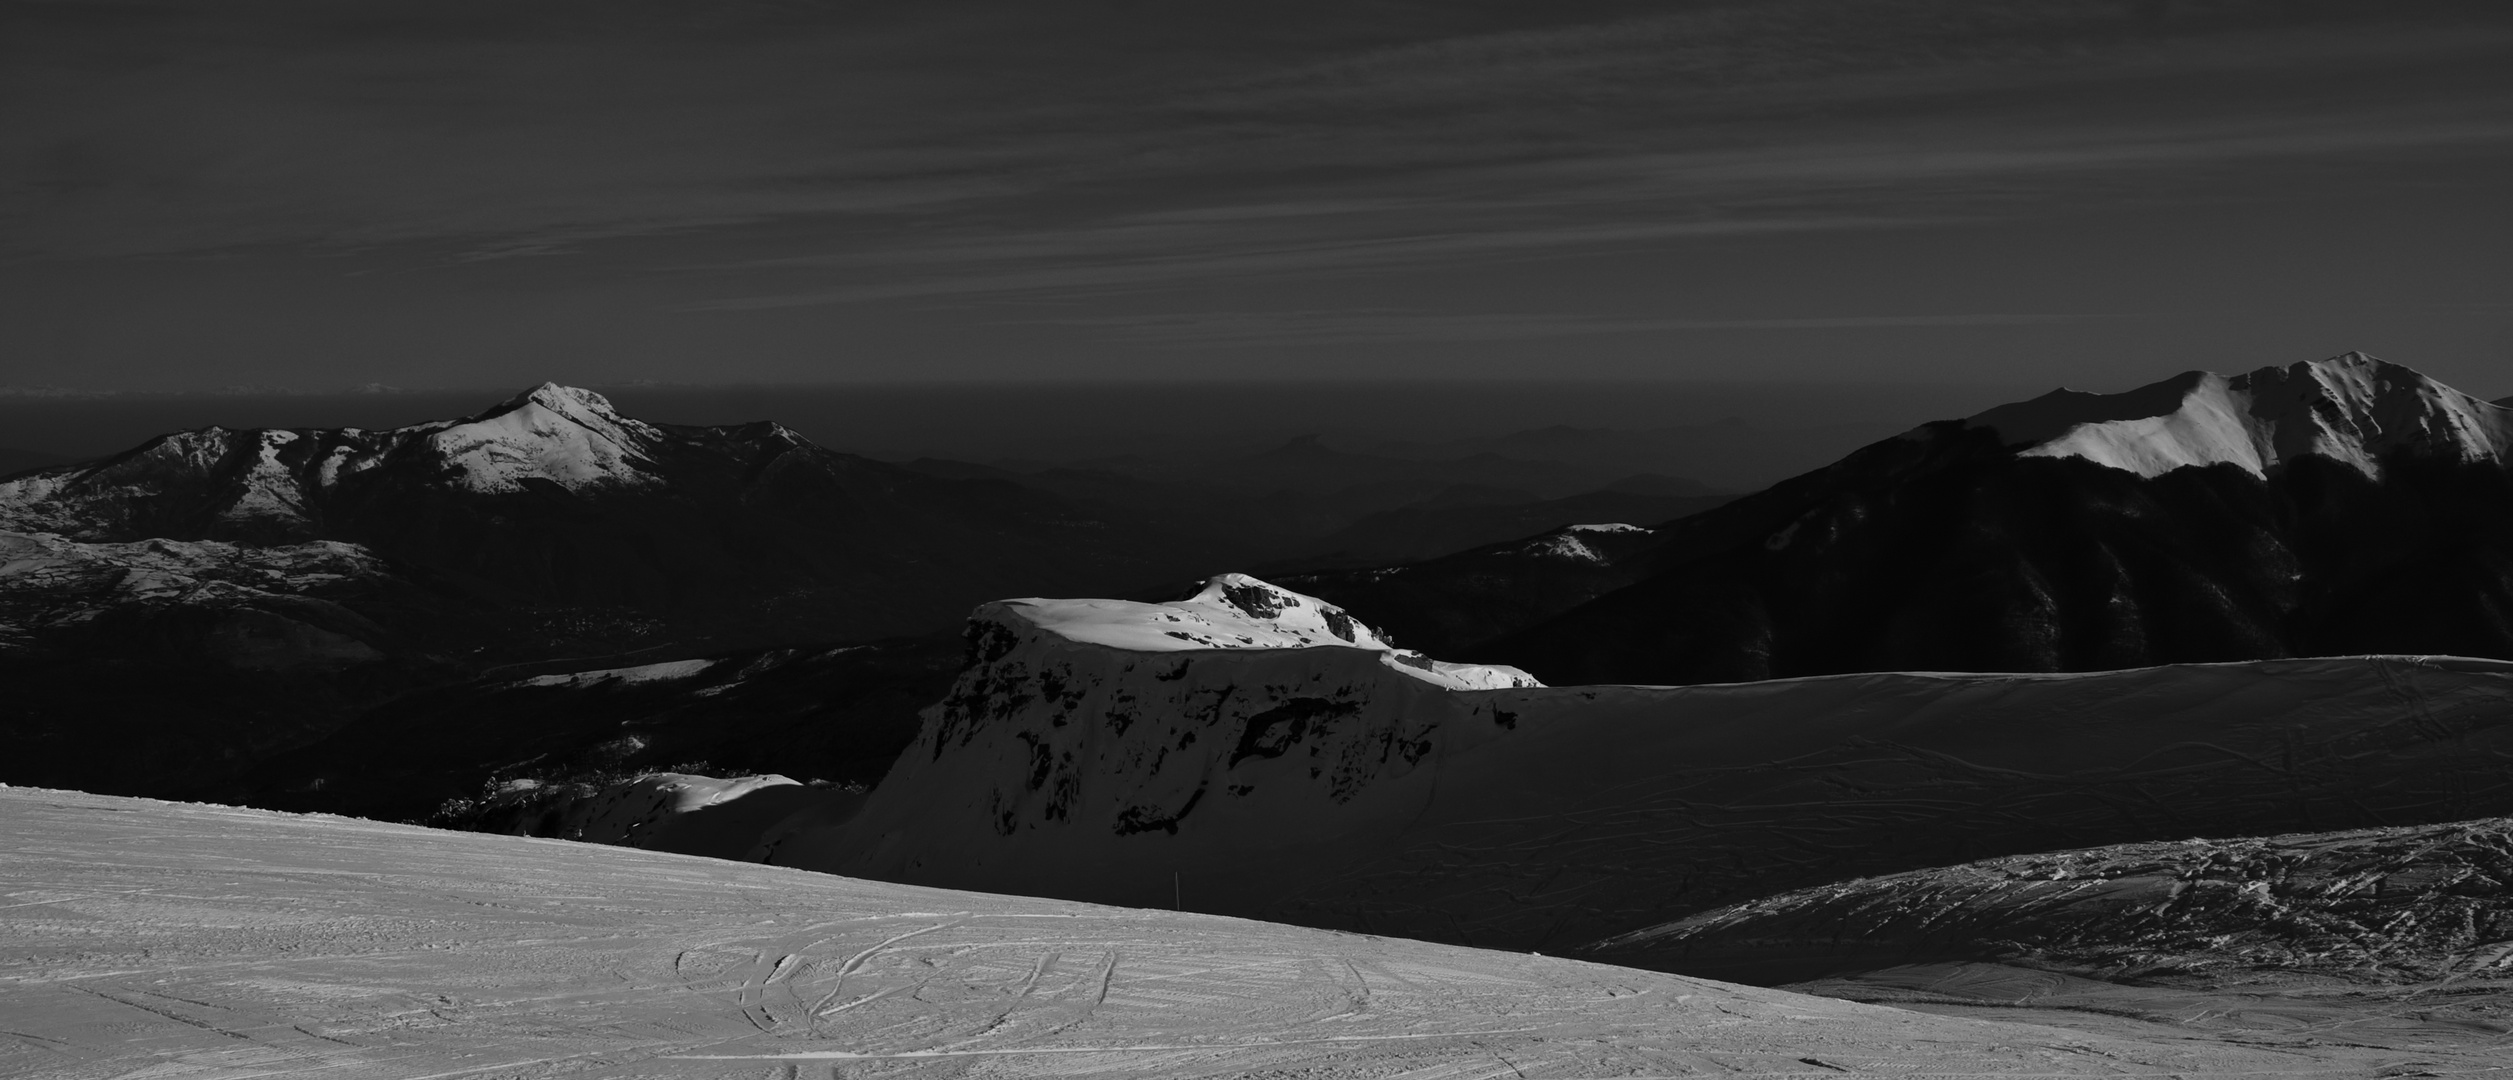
{"type": "Point", "coordinates": [2352, 408]}
{"type": "Point", "coordinates": [1235, 611]}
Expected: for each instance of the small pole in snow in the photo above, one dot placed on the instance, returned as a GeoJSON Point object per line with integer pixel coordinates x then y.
{"type": "Point", "coordinates": [1174, 903]}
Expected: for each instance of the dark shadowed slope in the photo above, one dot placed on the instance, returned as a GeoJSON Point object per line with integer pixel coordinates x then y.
{"type": "Point", "coordinates": [839, 715]}
{"type": "Point", "coordinates": [1454, 604]}
{"type": "Point", "coordinates": [172, 615]}
{"type": "Point", "coordinates": [2338, 506]}
{"type": "Point", "coordinates": [554, 499]}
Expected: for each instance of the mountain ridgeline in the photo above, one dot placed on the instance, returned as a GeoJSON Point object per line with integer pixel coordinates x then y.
{"type": "Point", "coordinates": [554, 499]}
{"type": "Point", "coordinates": [2336, 506]}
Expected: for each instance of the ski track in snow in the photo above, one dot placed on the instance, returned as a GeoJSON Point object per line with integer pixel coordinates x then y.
{"type": "Point", "coordinates": [212, 943]}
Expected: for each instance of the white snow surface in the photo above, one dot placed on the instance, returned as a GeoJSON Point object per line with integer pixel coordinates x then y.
{"type": "Point", "coordinates": [151, 939]}
{"type": "Point", "coordinates": [666, 671]}
{"type": "Point", "coordinates": [2353, 408]}
{"type": "Point", "coordinates": [561, 434]}
{"type": "Point", "coordinates": [1313, 786]}
{"type": "Point", "coordinates": [1235, 611]}
{"type": "Point", "coordinates": [550, 434]}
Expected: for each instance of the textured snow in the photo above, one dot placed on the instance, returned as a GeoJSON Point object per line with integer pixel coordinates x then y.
{"type": "Point", "coordinates": [148, 939]}
{"type": "Point", "coordinates": [1310, 785]}
{"type": "Point", "coordinates": [51, 582]}
{"type": "Point", "coordinates": [2399, 906]}
{"type": "Point", "coordinates": [2353, 408]}
{"type": "Point", "coordinates": [550, 434]}
{"type": "Point", "coordinates": [1562, 545]}
{"type": "Point", "coordinates": [642, 673]}
{"type": "Point", "coordinates": [269, 490]}
{"type": "Point", "coordinates": [1235, 611]}
{"type": "Point", "coordinates": [561, 434]}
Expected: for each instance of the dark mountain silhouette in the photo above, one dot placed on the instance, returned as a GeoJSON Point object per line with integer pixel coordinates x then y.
{"type": "Point", "coordinates": [175, 614]}
{"type": "Point", "coordinates": [2338, 506]}
{"type": "Point", "coordinates": [833, 714]}
{"type": "Point", "coordinates": [1454, 604]}
{"type": "Point", "coordinates": [737, 534]}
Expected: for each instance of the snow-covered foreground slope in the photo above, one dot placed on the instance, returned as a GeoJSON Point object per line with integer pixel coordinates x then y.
{"type": "Point", "coordinates": [2397, 935]}
{"type": "Point", "coordinates": [1319, 785]}
{"type": "Point", "coordinates": [152, 939]}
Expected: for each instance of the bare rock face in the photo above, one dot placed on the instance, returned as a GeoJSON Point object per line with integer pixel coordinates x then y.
{"type": "Point", "coordinates": [2367, 907]}
{"type": "Point", "coordinates": [1087, 753]}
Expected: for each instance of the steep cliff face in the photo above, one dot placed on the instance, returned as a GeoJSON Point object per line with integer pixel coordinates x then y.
{"type": "Point", "coordinates": [1334, 785]}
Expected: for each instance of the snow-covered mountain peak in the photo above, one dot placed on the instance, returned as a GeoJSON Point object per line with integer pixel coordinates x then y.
{"type": "Point", "coordinates": [2353, 408]}
{"type": "Point", "coordinates": [1235, 611]}
{"type": "Point", "coordinates": [562, 434]}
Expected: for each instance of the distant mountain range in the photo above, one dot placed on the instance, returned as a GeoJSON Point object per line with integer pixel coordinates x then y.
{"type": "Point", "coordinates": [172, 615]}
{"type": "Point", "coordinates": [219, 595]}
{"type": "Point", "coordinates": [2334, 506]}
{"type": "Point", "coordinates": [553, 500]}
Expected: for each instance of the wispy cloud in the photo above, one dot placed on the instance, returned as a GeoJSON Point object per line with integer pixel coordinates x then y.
{"type": "Point", "coordinates": [1082, 261]}
{"type": "Point", "coordinates": [1275, 328]}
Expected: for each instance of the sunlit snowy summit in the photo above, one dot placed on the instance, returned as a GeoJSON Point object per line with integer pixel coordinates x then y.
{"type": "Point", "coordinates": [272, 481]}
{"type": "Point", "coordinates": [2352, 408]}
{"type": "Point", "coordinates": [1232, 611]}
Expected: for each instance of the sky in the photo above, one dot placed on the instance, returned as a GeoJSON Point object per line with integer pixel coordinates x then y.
{"type": "Point", "coordinates": [490, 193]}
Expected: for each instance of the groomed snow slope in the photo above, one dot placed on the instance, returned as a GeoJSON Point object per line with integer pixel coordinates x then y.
{"type": "Point", "coordinates": [141, 938]}
{"type": "Point", "coordinates": [1320, 786]}
{"type": "Point", "coordinates": [2352, 408]}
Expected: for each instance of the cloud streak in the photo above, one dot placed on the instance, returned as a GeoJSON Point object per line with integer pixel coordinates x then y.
{"type": "Point", "coordinates": [1266, 329]}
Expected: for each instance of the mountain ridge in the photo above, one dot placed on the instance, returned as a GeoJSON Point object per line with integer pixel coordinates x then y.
{"type": "Point", "coordinates": [2352, 408]}
{"type": "Point", "coordinates": [1955, 547]}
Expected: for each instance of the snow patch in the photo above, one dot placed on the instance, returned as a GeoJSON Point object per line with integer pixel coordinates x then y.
{"type": "Point", "coordinates": [643, 673]}
{"type": "Point", "coordinates": [1235, 611]}
{"type": "Point", "coordinates": [556, 433]}
{"type": "Point", "coordinates": [2354, 409]}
